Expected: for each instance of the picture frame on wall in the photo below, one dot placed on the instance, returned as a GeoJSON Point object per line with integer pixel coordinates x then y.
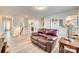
{"type": "Point", "coordinates": [61, 22]}
{"type": "Point", "coordinates": [53, 20]}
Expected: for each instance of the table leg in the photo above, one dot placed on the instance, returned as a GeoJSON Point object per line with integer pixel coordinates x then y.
{"type": "Point", "coordinates": [77, 50]}
{"type": "Point", "coordinates": [61, 48]}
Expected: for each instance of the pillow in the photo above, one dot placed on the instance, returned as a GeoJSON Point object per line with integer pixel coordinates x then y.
{"type": "Point", "coordinates": [41, 30]}
{"type": "Point", "coordinates": [52, 32]}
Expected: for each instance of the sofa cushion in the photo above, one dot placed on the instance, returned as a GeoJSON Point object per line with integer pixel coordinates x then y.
{"type": "Point", "coordinates": [52, 32]}
{"type": "Point", "coordinates": [51, 37]}
{"type": "Point", "coordinates": [43, 35]}
{"type": "Point", "coordinates": [42, 40]}
{"type": "Point", "coordinates": [41, 30]}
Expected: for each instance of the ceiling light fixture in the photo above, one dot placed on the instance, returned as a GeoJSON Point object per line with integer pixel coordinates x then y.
{"type": "Point", "coordinates": [40, 7]}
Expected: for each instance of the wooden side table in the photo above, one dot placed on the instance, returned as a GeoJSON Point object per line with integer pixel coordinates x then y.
{"type": "Point", "coordinates": [1, 44]}
{"type": "Point", "coordinates": [5, 48]}
{"type": "Point", "coordinates": [72, 45]}
{"type": "Point", "coordinates": [76, 37]}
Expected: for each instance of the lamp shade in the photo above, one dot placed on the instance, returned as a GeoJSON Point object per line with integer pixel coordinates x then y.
{"type": "Point", "coordinates": [69, 18]}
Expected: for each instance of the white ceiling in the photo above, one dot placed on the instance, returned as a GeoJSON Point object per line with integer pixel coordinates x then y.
{"type": "Point", "coordinates": [31, 12]}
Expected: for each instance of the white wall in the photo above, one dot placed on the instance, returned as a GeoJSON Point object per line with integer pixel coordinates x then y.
{"type": "Point", "coordinates": [36, 24]}
{"type": "Point", "coordinates": [55, 25]}
{"type": "Point", "coordinates": [17, 22]}
{"type": "Point", "coordinates": [1, 31]}
{"type": "Point", "coordinates": [47, 22]}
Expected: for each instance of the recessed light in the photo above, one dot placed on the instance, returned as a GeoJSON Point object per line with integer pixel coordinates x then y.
{"type": "Point", "coordinates": [40, 7]}
{"type": "Point", "coordinates": [8, 16]}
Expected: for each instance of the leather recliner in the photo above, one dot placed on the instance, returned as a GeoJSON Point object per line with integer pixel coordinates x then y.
{"type": "Point", "coordinates": [45, 38]}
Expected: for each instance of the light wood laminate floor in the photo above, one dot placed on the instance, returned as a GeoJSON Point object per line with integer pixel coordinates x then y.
{"type": "Point", "coordinates": [22, 44]}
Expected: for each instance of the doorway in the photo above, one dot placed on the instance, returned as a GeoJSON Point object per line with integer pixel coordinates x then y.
{"type": "Point", "coordinates": [7, 26]}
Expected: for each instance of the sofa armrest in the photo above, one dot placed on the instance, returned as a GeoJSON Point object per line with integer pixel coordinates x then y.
{"type": "Point", "coordinates": [49, 46]}
{"type": "Point", "coordinates": [35, 34]}
{"type": "Point", "coordinates": [50, 39]}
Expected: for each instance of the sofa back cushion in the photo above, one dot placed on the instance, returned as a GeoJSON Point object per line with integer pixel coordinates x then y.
{"type": "Point", "coordinates": [52, 32]}
{"type": "Point", "coordinates": [42, 30]}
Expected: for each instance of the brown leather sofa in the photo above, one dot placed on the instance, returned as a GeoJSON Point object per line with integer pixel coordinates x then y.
{"type": "Point", "coordinates": [45, 38]}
